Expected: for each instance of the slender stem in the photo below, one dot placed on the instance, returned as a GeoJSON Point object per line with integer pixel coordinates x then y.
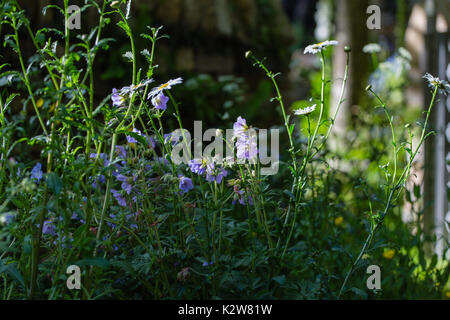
{"type": "Point", "coordinates": [397, 187]}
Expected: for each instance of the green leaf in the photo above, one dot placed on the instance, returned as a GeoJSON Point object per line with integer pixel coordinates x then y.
{"type": "Point", "coordinates": [289, 194]}
{"type": "Point", "coordinates": [291, 129]}
{"type": "Point", "coordinates": [54, 183]}
{"type": "Point", "coordinates": [98, 262]}
{"type": "Point", "coordinates": [12, 271]}
{"type": "Point", "coordinates": [125, 27]}
{"type": "Point", "coordinates": [281, 280]}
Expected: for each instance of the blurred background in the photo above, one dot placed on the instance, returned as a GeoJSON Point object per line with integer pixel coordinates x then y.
{"type": "Point", "coordinates": [208, 40]}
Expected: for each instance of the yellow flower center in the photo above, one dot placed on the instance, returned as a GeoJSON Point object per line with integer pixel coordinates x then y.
{"type": "Point", "coordinates": [165, 85]}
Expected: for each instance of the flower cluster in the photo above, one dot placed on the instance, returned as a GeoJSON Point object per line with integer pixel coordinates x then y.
{"type": "Point", "coordinates": [213, 172]}
{"type": "Point", "coordinates": [246, 141]}
{"type": "Point", "coordinates": [36, 172]}
{"type": "Point", "coordinates": [118, 96]}
{"type": "Point", "coordinates": [239, 195]}
{"type": "Point", "coordinates": [156, 95]}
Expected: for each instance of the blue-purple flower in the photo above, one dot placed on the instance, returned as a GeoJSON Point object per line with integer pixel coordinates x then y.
{"type": "Point", "coordinates": [240, 127]}
{"type": "Point", "coordinates": [102, 156]}
{"type": "Point", "coordinates": [160, 101]}
{"type": "Point", "coordinates": [120, 199]}
{"type": "Point", "coordinates": [126, 182]}
{"type": "Point", "coordinates": [214, 173]}
{"type": "Point", "coordinates": [185, 184]}
{"type": "Point", "coordinates": [162, 161]}
{"type": "Point", "coordinates": [198, 166]}
{"type": "Point", "coordinates": [98, 180]}
{"type": "Point", "coordinates": [117, 99]}
{"type": "Point", "coordinates": [49, 228]}
{"type": "Point", "coordinates": [168, 137]}
{"type": "Point", "coordinates": [246, 142]}
{"type": "Point", "coordinates": [120, 150]}
{"type": "Point", "coordinates": [36, 172]}
{"type": "Point", "coordinates": [130, 139]}
{"type": "Point", "coordinates": [239, 195]}
{"type": "Point", "coordinates": [7, 218]}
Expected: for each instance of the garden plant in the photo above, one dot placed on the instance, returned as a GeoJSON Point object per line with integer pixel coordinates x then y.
{"type": "Point", "coordinates": [93, 183]}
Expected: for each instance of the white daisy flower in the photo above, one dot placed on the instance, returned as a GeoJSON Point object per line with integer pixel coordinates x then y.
{"type": "Point", "coordinates": [305, 111]}
{"type": "Point", "coordinates": [372, 48]}
{"type": "Point", "coordinates": [405, 54]}
{"type": "Point", "coordinates": [318, 47]}
{"type": "Point", "coordinates": [166, 86]}
{"type": "Point", "coordinates": [132, 88]}
{"type": "Point", "coordinates": [434, 82]}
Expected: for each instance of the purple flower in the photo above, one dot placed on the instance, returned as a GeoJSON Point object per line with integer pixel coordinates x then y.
{"type": "Point", "coordinates": [239, 127]}
{"type": "Point", "coordinates": [197, 166]}
{"type": "Point", "coordinates": [7, 218]}
{"type": "Point", "coordinates": [48, 228]}
{"type": "Point", "coordinates": [162, 161]}
{"type": "Point", "coordinates": [246, 143]}
{"type": "Point", "coordinates": [126, 182]}
{"type": "Point", "coordinates": [168, 138]}
{"type": "Point", "coordinates": [160, 101]}
{"type": "Point", "coordinates": [247, 148]}
{"type": "Point", "coordinates": [63, 241]}
{"type": "Point", "coordinates": [103, 156]}
{"type": "Point", "coordinates": [121, 151]}
{"type": "Point", "coordinates": [119, 198]}
{"type": "Point", "coordinates": [36, 172]}
{"type": "Point", "coordinates": [185, 184]}
{"type": "Point", "coordinates": [116, 98]}
{"type": "Point", "coordinates": [131, 139]}
{"type": "Point", "coordinates": [151, 142]}
{"type": "Point", "coordinates": [216, 174]}
{"type": "Point", "coordinates": [98, 180]}
{"type": "Point", "coordinates": [239, 196]}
